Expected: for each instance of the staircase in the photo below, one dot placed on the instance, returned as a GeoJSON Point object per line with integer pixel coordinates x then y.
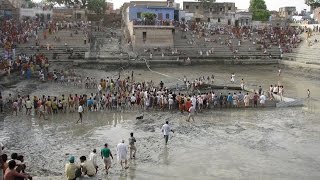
{"type": "Point", "coordinates": [247, 50]}
{"type": "Point", "coordinates": [306, 53]}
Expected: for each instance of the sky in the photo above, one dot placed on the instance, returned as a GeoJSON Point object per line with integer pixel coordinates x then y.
{"type": "Point", "coordinates": [244, 4]}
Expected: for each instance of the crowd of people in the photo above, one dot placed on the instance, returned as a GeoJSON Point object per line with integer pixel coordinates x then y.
{"type": "Point", "coordinates": [262, 38]}
{"type": "Point", "coordinates": [125, 94]}
{"type": "Point", "coordinates": [13, 168]}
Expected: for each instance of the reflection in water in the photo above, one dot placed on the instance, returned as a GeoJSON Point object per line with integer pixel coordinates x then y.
{"type": "Point", "coordinates": [132, 169]}
{"type": "Point", "coordinates": [165, 155]}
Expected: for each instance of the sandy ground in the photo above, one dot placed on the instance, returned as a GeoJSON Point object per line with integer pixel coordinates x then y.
{"type": "Point", "coordinates": [266, 143]}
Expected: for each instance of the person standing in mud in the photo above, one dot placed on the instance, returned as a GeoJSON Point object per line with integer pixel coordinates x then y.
{"type": "Point", "coordinates": [308, 93]}
{"type": "Point", "coordinates": [166, 129]}
{"type": "Point", "coordinates": [132, 147]}
{"type": "Point", "coordinates": [192, 112]}
{"type": "Point", "coordinates": [80, 111]}
{"type": "Point", "coordinates": [242, 84]}
{"type": "Point", "coordinates": [132, 76]}
{"type": "Point", "coordinates": [28, 106]}
{"type": "Point", "coordinates": [122, 150]}
{"type": "Point", "coordinates": [93, 157]}
{"type": "Point", "coordinates": [255, 100]}
{"type": "Point", "coordinates": [279, 72]}
{"type": "Point", "coordinates": [15, 107]}
{"type": "Point", "coordinates": [1, 104]}
{"type": "Point", "coordinates": [105, 155]}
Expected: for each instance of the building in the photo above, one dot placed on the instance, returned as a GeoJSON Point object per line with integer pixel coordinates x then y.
{"type": "Point", "coordinates": [145, 33]}
{"type": "Point", "coordinates": [162, 13]}
{"type": "Point", "coordinates": [10, 8]}
{"type": "Point", "coordinates": [287, 12]}
{"type": "Point", "coordinates": [316, 14]}
{"type": "Point", "coordinates": [41, 13]}
{"type": "Point", "coordinates": [218, 13]}
{"type": "Point", "coordinates": [243, 18]}
{"type": "Point", "coordinates": [69, 14]}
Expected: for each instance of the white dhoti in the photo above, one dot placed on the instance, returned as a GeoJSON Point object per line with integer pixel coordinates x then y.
{"type": "Point", "coordinates": [122, 152]}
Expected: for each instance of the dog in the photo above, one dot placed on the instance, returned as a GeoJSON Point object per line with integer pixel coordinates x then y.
{"type": "Point", "coordinates": [139, 117]}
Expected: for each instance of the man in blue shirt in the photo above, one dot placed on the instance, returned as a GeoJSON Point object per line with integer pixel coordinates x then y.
{"type": "Point", "coordinates": [90, 103]}
{"type": "Point", "coordinates": [229, 99]}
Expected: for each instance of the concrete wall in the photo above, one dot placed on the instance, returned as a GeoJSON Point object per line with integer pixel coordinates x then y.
{"type": "Point", "coordinates": [160, 12]}
{"type": "Point", "coordinates": [32, 12]}
{"type": "Point", "coordinates": [65, 14]}
{"type": "Point", "coordinates": [155, 37]}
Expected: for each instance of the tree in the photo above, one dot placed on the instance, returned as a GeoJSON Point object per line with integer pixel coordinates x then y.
{"type": "Point", "coordinates": [72, 3]}
{"type": "Point", "coordinates": [259, 10]}
{"type": "Point", "coordinates": [149, 16]}
{"type": "Point", "coordinates": [98, 6]}
{"type": "Point", "coordinates": [313, 3]}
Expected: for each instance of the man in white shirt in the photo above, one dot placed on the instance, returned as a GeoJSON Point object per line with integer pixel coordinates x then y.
{"type": "Point", "coordinates": [87, 167]}
{"type": "Point", "coordinates": [80, 111]}
{"type": "Point", "coordinates": [93, 158]}
{"type": "Point", "coordinates": [262, 100]}
{"type": "Point", "coordinates": [133, 100]}
{"type": "Point", "coordinates": [192, 112]}
{"type": "Point", "coordinates": [122, 150]}
{"type": "Point", "coordinates": [170, 103]}
{"type": "Point", "coordinates": [166, 130]}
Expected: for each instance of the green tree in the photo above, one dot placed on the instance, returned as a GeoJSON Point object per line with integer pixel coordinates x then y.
{"type": "Point", "coordinates": [149, 16]}
{"type": "Point", "coordinates": [259, 10]}
{"type": "Point", "coordinates": [98, 6]}
{"type": "Point", "coordinates": [313, 3]}
{"type": "Point", "coordinates": [70, 3]}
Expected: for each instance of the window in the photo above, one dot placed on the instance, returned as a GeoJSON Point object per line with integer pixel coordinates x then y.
{"type": "Point", "coordinates": [144, 36]}
{"type": "Point", "coordinates": [210, 9]}
{"type": "Point", "coordinates": [208, 19]}
{"type": "Point", "coordinates": [167, 16]}
{"type": "Point", "coordinates": [187, 6]}
{"type": "Point", "coordinates": [78, 15]}
{"type": "Point", "coordinates": [139, 15]}
{"type": "Point", "coordinates": [229, 21]}
{"type": "Point", "coordinates": [229, 8]}
{"type": "Point", "coordinates": [197, 7]}
{"type": "Point", "coordinates": [219, 20]}
{"type": "Point", "coordinates": [221, 9]}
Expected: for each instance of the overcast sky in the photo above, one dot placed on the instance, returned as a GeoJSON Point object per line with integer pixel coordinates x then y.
{"type": "Point", "coordinates": [243, 4]}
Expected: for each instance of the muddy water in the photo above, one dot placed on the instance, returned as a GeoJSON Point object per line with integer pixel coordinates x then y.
{"type": "Point", "coordinates": [223, 144]}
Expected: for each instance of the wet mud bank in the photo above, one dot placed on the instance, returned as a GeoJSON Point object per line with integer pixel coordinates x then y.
{"type": "Point", "coordinates": [262, 143]}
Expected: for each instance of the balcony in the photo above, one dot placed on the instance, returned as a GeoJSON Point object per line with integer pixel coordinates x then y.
{"type": "Point", "coordinates": [157, 23]}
